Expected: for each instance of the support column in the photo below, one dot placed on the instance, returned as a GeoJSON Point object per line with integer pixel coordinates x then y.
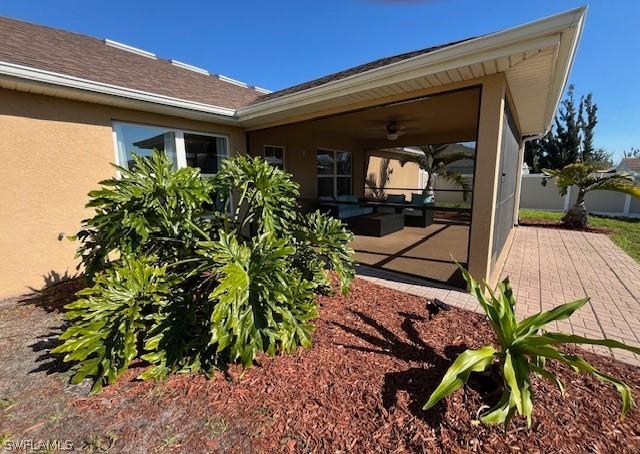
{"type": "Point", "coordinates": [486, 178]}
{"type": "Point", "coordinates": [516, 204]}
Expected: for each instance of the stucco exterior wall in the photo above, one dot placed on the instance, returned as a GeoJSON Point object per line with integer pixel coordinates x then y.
{"type": "Point", "coordinates": [54, 152]}
{"type": "Point", "coordinates": [301, 142]}
{"type": "Point", "coordinates": [402, 180]}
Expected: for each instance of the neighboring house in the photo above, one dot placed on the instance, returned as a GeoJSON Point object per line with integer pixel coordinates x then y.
{"type": "Point", "coordinates": [71, 104]}
{"type": "Point", "coordinates": [630, 166]}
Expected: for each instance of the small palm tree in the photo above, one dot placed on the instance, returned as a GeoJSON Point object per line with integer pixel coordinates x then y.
{"type": "Point", "coordinates": [378, 184]}
{"type": "Point", "coordinates": [434, 162]}
{"type": "Point", "coordinates": [586, 178]}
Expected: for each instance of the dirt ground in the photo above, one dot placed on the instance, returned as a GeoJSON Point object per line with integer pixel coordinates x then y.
{"type": "Point", "coordinates": [377, 356]}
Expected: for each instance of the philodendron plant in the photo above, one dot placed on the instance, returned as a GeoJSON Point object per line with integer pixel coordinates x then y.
{"type": "Point", "coordinates": [524, 348]}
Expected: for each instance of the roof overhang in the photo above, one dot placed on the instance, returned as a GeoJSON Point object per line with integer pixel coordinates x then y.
{"type": "Point", "coordinates": [536, 59]}
{"type": "Point", "coordinates": [42, 82]}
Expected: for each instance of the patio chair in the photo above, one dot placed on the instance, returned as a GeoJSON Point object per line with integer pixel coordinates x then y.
{"type": "Point", "coordinates": [419, 214]}
{"type": "Point", "coordinates": [392, 198]}
{"type": "Point", "coordinates": [344, 210]}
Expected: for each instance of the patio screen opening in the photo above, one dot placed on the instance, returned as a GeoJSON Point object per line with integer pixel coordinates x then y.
{"type": "Point", "coordinates": [399, 175]}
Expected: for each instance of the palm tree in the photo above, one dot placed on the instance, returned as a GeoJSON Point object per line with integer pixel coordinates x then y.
{"type": "Point", "coordinates": [434, 161]}
{"type": "Point", "coordinates": [378, 184]}
{"type": "Point", "coordinates": [586, 178]}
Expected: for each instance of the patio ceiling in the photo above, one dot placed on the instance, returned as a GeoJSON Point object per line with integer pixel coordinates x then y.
{"type": "Point", "coordinates": [449, 117]}
{"type": "Point", "coordinates": [535, 58]}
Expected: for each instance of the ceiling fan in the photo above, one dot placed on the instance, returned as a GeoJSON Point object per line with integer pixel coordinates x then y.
{"type": "Point", "coordinates": [394, 130]}
{"type": "Point", "coordinates": [391, 128]}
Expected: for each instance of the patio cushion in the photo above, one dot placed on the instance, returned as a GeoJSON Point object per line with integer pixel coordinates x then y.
{"type": "Point", "coordinates": [396, 198]}
{"type": "Point", "coordinates": [421, 199]}
{"type": "Point", "coordinates": [347, 198]}
{"type": "Point", "coordinates": [348, 210]}
{"type": "Point", "coordinates": [393, 198]}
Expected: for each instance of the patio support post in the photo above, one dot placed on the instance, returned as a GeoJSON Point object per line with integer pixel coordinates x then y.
{"type": "Point", "coordinates": [516, 205]}
{"type": "Point", "coordinates": [492, 102]}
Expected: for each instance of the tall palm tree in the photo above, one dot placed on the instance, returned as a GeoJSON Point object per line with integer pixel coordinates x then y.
{"type": "Point", "coordinates": [586, 178]}
{"type": "Point", "coordinates": [434, 161]}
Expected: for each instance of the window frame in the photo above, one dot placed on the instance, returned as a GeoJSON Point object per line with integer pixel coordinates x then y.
{"type": "Point", "coordinates": [281, 147]}
{"type": "Point", "coordinates": [334, 175]}
{"type": "Point", "coordinates": [181, 151]}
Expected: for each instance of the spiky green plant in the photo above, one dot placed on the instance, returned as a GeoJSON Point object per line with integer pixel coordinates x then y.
{"type": "Point", "coordinates": [586, 177]}
{"type": "Point", "coordinates": [523, 350]}
{"type": "Point", "coordinates": [186, 286]}
{"type": "Point", "coordinates": [435, 160]}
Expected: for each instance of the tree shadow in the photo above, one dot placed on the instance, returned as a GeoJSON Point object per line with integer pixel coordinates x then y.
{"type": "Point", "coordinates": [46, 361]}
{"type": "Point", "coordinates": [417, 382]}
{"type": "Point", "coordinates": [59, 290]}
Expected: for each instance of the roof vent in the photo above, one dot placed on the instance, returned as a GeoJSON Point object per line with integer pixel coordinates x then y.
{"type": "Point", "coordinates": [262, 90]}
{"type": "Point", "coordinates": [179, 64]}
{"type": "Point", "coordinates": [231, 81]}
{"type": "Point", "coordinates": [131, 49]}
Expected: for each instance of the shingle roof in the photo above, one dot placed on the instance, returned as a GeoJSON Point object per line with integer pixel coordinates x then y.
{"type": "Point", "coordinates": [632, 163]}
{"type": "Point", "coordinates": [89, 58]}
{"type": "Point", "coordinates": [355, 70]}
{"type": "Point", "coordinates": [86, 57]}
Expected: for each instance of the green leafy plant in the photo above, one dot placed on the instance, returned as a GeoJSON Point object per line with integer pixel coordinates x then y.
{"type": "Point", "coordinates": [151, 209]}
{"type": "Point", "coordinates": [523, 351]}
{"type": "Point", "coordinates": [586, 177]}
{"type": "Point", "coordinates": [189, 274]}
{"type": "Point", "coordinates": [109, 318]}
{"type": "Point", "coordinates": [435, 161]}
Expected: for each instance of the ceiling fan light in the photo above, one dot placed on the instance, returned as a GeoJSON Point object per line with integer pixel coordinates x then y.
{"type": "Point", "coordinates": [393, 136]}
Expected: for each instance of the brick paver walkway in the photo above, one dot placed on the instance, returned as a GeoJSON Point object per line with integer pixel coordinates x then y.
{"type": "Point", "coordinates": [548, 267]}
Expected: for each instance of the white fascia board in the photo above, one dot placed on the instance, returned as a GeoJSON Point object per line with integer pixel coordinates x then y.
{"type": "Point", "coordinates": [563, 64]}
{"type": "Point", "coordinates": [539, 34]}
{"type": "Point", "coordinates": [63, 80]}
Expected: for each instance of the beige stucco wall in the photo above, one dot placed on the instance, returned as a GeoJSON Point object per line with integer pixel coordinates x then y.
{"type": "Point", "coordinates": [301, 141]}
{"type": "Point", "coordinates": [403, 179]}
{"type": "Point", "coordinates": [54, 151]}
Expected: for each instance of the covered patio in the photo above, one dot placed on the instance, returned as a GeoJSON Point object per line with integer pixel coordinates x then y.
{"type": "Point", "coordinates": [421, 252]}
{"type": "Point", "coordinates": [361, 167]}
{"type": "Point", "coordinates": [337, 136]}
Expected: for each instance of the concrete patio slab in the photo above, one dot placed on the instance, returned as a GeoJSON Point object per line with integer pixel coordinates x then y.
{"type": "Point", "coordinates": [548, 267]}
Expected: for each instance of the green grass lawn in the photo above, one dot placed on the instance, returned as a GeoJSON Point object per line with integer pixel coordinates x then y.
{"type": "Point", "coordinates": [624, 232]}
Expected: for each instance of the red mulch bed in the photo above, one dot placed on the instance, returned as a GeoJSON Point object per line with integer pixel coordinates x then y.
{"type": "Point", "coordinates": [377, 356]}
{"type": "Point", "coordinates": [559, 225]}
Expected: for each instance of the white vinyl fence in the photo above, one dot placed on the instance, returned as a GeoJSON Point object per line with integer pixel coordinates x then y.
{"type": "Point", "coordinates": [535, 196]}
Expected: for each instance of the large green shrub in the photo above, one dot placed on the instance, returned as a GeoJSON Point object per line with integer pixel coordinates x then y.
{"type": "Point", "coordinates": [186, 286]}
{"type": "Point", "coordinates": [524, 349]}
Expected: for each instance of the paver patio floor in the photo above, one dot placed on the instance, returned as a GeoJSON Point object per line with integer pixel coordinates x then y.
{"type": "Point", "coordinates": [548, 267]}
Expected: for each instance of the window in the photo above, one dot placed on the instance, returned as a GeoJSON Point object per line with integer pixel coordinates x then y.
{"type": "Point", "coordinates": [142, 140]}
{"type": "Point", "coordinates": [205, 152]}
{"type": "Point", "coordinates": [334, 173]}
{"type": "Point", "coordinates": [183, 148]}
{"type": "Point", "coordinates": [274, 155]}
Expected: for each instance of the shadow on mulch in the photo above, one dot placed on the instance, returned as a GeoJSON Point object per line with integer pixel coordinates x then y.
{"type": "Point", "coordinates": [59, 291]}
{"type": "Point", "coordinates": [413, 380]}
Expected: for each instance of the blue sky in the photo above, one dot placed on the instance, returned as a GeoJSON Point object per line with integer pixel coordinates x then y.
{"type": "Point", "coordinates": [274, 44]}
